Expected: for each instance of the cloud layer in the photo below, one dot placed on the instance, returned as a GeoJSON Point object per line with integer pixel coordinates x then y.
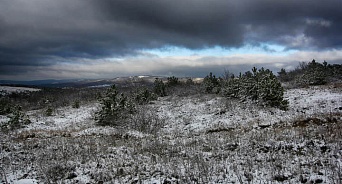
{"type": "Point", "coordinates": [45, 34]}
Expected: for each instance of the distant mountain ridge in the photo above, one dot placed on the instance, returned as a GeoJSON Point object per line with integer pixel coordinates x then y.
{"type": "Point", "coordinates": [122, 81]}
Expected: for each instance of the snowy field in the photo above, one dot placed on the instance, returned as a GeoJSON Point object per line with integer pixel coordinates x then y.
{"type": "Point", "coordinates": [193, 139]}
{"type": "Point", "coordinates": [10, 89]}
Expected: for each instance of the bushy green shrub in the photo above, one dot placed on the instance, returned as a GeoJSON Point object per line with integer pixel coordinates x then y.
{"type": "Point", "coordinates": [5, 106]}
{"type": "Point", "coordinates": [283, 75]}
{"type": "Point", "coordinates": [159, 87]}
{"type": "Point", "coordinates": [172, 81]}
{"type": "Point", "coordinates": [17, 119]}
{"type": "Point", "coordinates": [314, 74]}
{"type": "Point", "coordinates": [268, 90]}
{"type": "Point", "coordinates": [311, 73]}
{"type": "Point", "coordinates": [211, 84]}
{"type": "Point", "coordinates": [232, 87]}
{"type": "Point", "coordinates": [115, 108]}
{"type": "Point", "coordinates": [143, 96]}
{"type": "Point", "coordinates": [261, 86]}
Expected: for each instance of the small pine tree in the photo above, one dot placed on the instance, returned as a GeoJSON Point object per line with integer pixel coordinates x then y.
{"type": "Point", "coordinates": [17, 119]}
{"type": "Point", "coordinates": [312, 73]}
{"type": "Point", "coordinates": [159, 87]}
{"type": "Point", "coordinates": [270, 92]}
{"type": "Point", "coordinates": [5, 106]}
{"type": "Point", "coordinates": [143, 96]}
{"type": "Point", "coordinates": [261, 86]}
{"type": "Point", "coordinates": [115, 108]}
{"type": "Point", "coordinates": [211, 84]}
{"type": "Point", "coordinates": [172, 81]}
{"type": "Point", "coordinates": [283, 75]}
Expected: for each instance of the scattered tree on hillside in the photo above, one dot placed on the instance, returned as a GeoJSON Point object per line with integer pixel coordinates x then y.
{"type": "Point", "coordinates": [261, 86]}
{"type": "Point", "coordinates": [116, 107]}
{"type": "Point", "coordinates": [283, 75]}
{"type": "Point", "coordinates": [143, 96]}
{"type": "Point", "coordinates": [17, 119]}
{"type": "Point", "coordinates": [159, 87]}
{"type": "Point", "coordinates": [211, 84]}
{"type": "Point", "coordinates": [172, 81]}
{"type": "Point", "coordinates": [312, 73]}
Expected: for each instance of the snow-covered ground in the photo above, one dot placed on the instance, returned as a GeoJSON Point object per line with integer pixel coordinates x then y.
{"type": "Point", "coordinates": [204, 139]}
{"type": "Point", "coordinates": [10, 89]}
{"type": "Point", "coordinates": [198, 114]}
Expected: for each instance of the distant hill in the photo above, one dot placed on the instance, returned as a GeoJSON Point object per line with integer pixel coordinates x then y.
{"type": "Point", "coordinates": [120, 81]}
{"type": "Point", "coordinates": [93, 83]}
{"type": "Point", "coordinates": [34, 82]}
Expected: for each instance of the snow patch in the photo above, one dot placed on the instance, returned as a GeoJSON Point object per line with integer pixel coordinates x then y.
{"type": "Point", "coordinates": [10, 89]}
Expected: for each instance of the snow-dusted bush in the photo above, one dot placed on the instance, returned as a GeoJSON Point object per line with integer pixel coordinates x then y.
{"type": "Point", "coordinates": [147, 121]}
{"type": "Point", "coordinates": [211, 84]}
{"type": "Point", "coordinates": [232, 87]}
{"type": "Point", "coordinates": [143, 96]}
{"type": "Point", "coordinates": [261, 86]}
{"type": "Point", "coordinates": [311, 73]}
{"type": "Point", "coordinates": [17, 119]}
{"type": "Point", "coordinates": [115, 108]}
{"type": "Point", "coordinates": [266, 89]}
{"type": "Point", "coordinates": [159, 87]}
{"type": "Point", "coordinates": [172, 81]}
{"type": "Point", "coordinates": [314, 74]}
{"type": "Point", "coordinates": [5, 106]}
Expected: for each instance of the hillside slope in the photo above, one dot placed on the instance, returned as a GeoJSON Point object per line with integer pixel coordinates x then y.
{"type": "Point", "coordinates": [193, 139]}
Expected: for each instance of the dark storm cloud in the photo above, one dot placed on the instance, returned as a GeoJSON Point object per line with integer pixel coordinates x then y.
{"type": "Point", "coordinates": [43, 32]}
{"type": "Point", "coordinates": [191, 23]}
{"type": "Point", "coordinates": [288, 22]}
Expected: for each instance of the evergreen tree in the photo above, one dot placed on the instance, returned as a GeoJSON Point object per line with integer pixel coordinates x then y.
{"type": "Point", "coordinates": [261, 86]}
{"type": "Point", "coordinates": [159, 87]}
{"type": "Point", "coordinates": [115, 108]}
{"type": "Point", "coordinates": [172, 81]}
{"type": "Point", "coordinates": [211, 84]}
{"type": "Point", "coordinates": [314, 74]}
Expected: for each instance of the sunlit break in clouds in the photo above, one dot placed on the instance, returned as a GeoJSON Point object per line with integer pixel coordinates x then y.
{"type": "Point", "coordinates": [46, 39]}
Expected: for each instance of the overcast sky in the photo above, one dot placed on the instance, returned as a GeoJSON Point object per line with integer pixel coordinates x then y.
{"type": "Point", "coordinates": [69, 39]}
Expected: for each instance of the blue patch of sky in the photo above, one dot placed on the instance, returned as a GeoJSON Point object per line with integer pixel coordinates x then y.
{"type": "Point", "coordinates": [270, 49]}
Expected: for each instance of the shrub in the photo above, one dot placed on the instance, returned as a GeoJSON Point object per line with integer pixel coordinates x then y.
{"type": "Point", "coordinates": [146, 120]}
{"type": "Point", "coordinates": [211, 84]}
{"type": "Point", "coordinates": [314, 74]}
{"type": "Point", "coordinates": [232, 87]}
{"type": "Point", "coordinates": [283, 75]}
{"type": "Point", "coordinates": [17, 119]}
{"type": "Point", "coordinates": [268, 90]}
{"type": "Point", "coordinates": [172, 81]}
{"type": "Point", "coordinates": [261, 86]}
{"type": "Point", "coordinates": [143, 96]}
{"type": "Point", "coordinates": [115, 108]}
{"type": "Point", "coordinates": [159, 87]}
{"type": "Point", "coordinates": [5, 106]}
